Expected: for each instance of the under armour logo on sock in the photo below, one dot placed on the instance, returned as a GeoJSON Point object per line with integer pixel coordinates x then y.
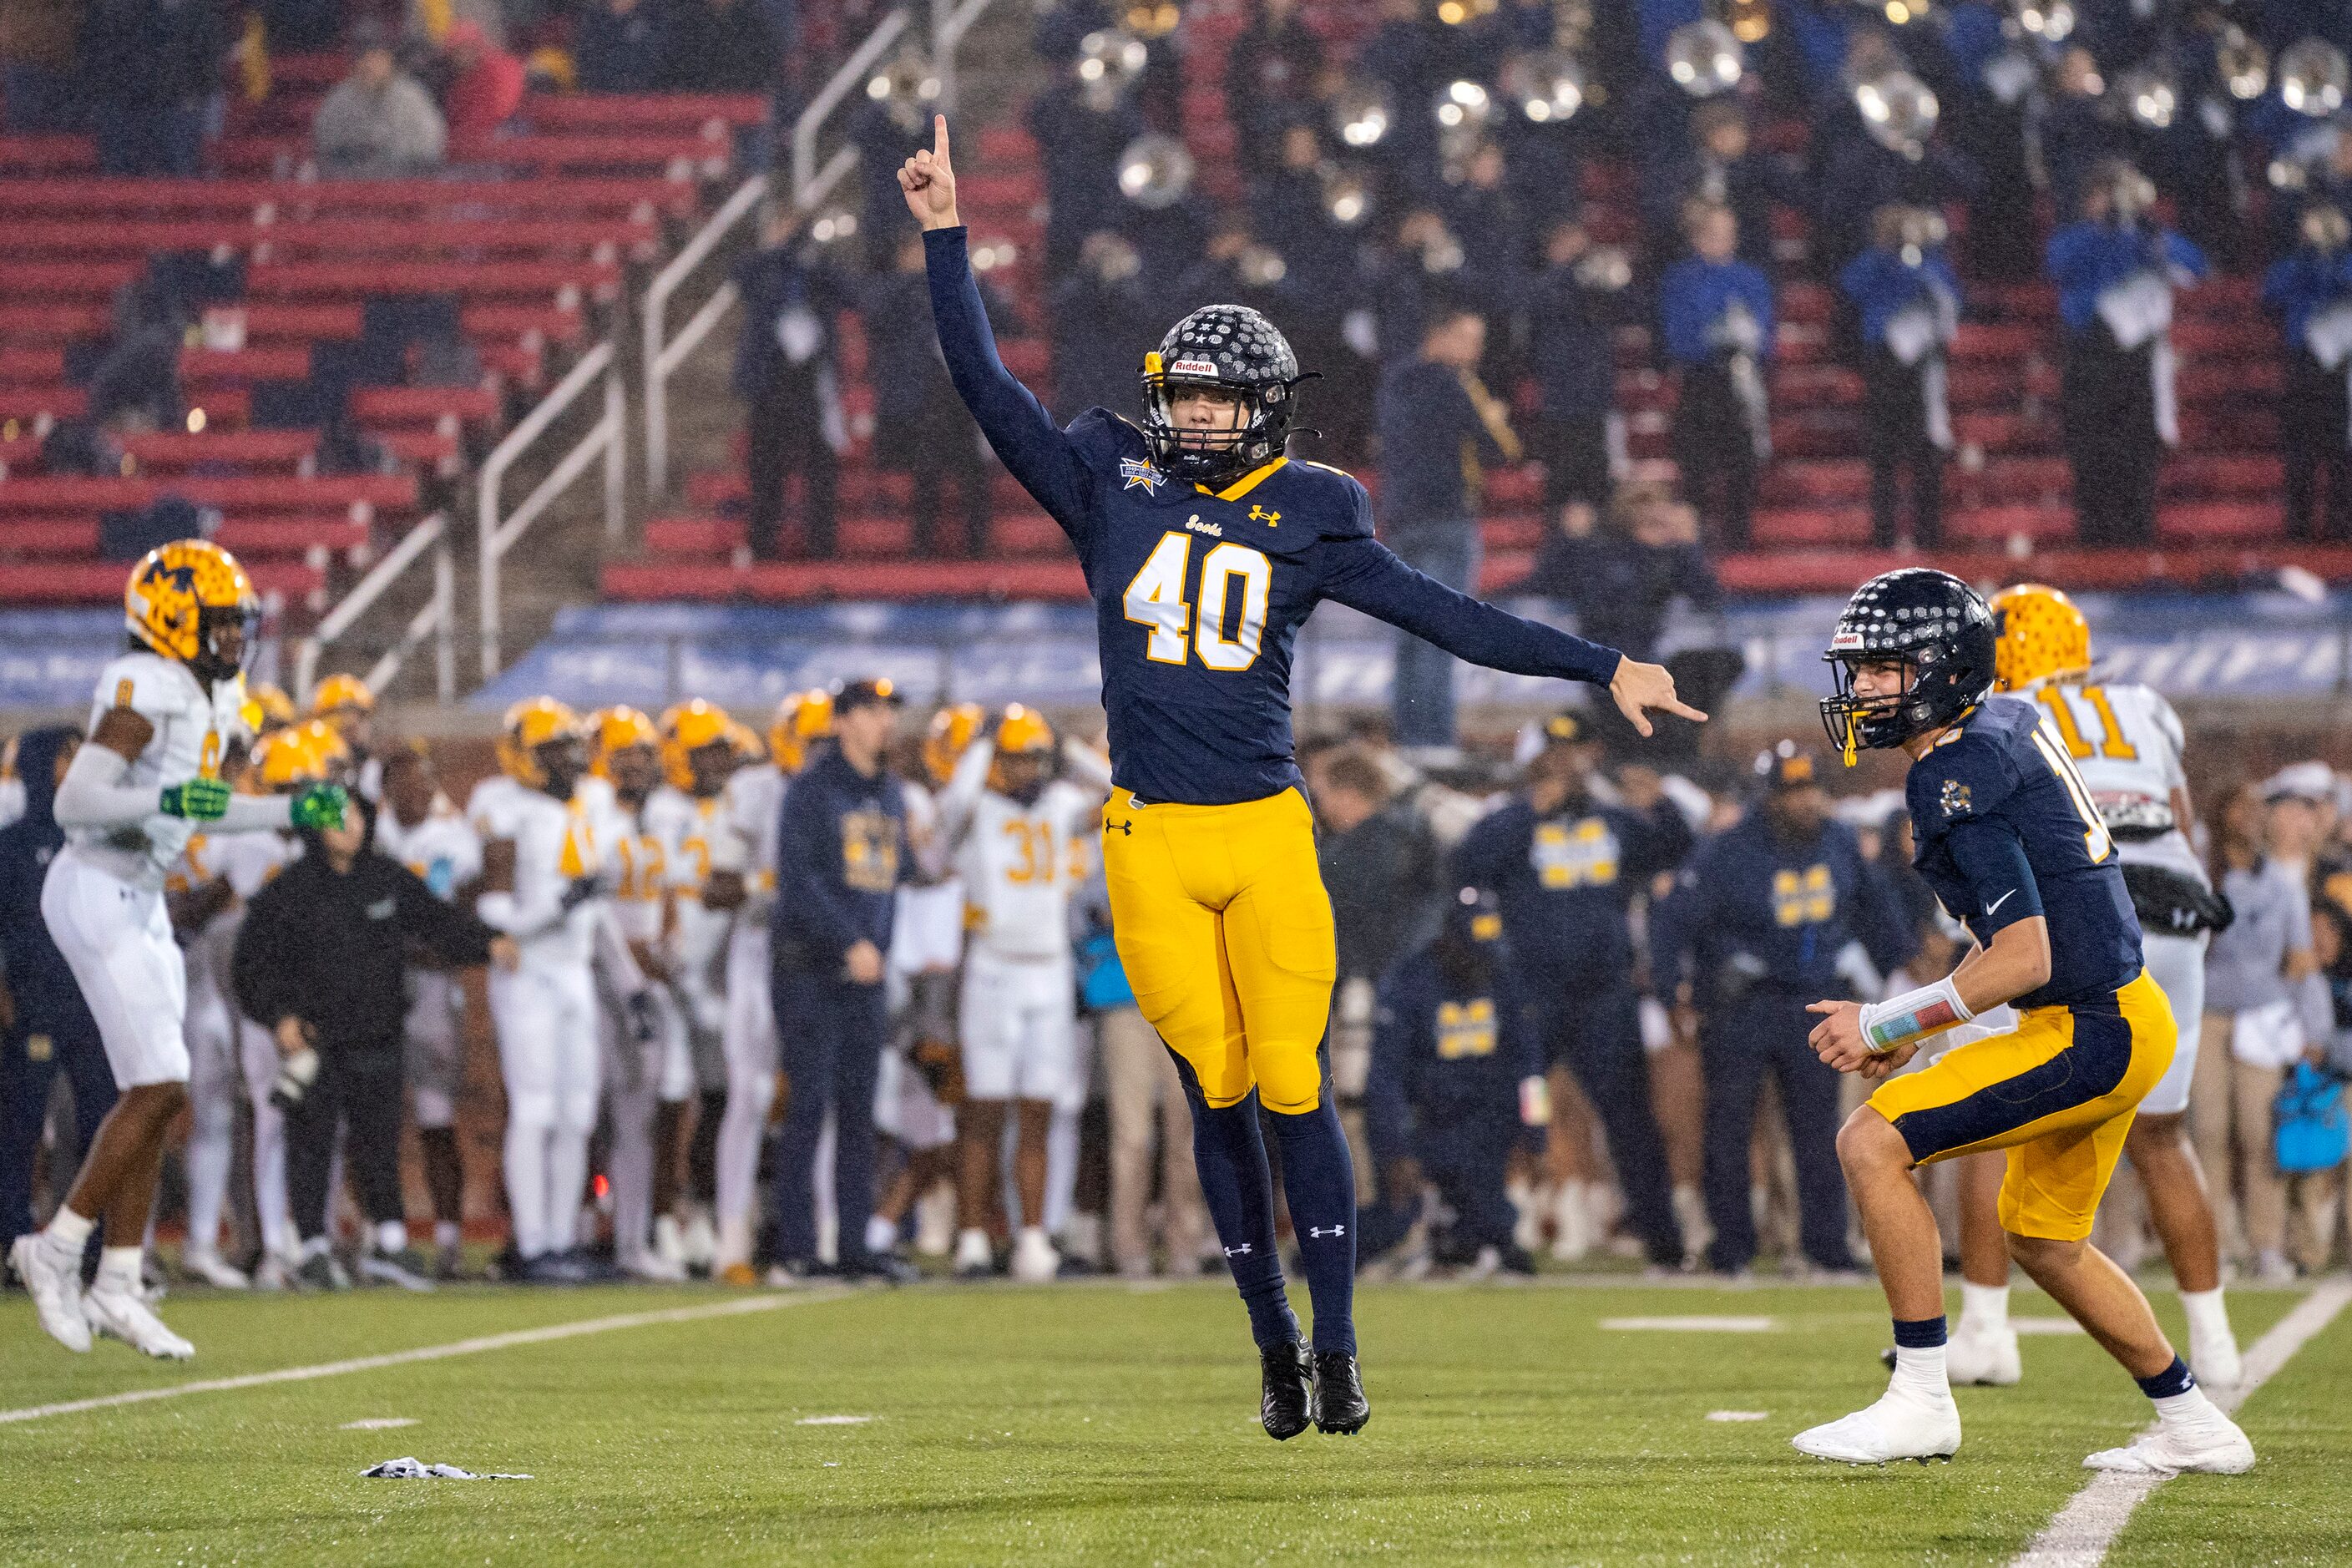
{"type": "Point", "coordinates": [1241, 1251]}
{"type": "Point", "coordinates": [1319, 1234]}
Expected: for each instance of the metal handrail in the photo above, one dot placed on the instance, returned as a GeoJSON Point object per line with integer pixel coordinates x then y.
{"type": "Point", "coordinates": [949, 23]}
{"type": "Point", "coordinates": [662, 357]}
{"type": "Point", "coordinates": [606, 437]}
{"type": "Point", "coordinates": [811, 184]}
{"type": "Point", "coordinates": [437, 619]}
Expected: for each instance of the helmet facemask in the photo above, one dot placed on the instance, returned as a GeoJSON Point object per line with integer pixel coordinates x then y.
{"type": "Point", "coordinates": [225, 634]}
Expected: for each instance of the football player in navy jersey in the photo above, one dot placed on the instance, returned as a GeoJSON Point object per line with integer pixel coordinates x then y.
{"type": "Point", "coordinates": [2011, 844]}
{"type": "Point", "coordinates": [1205, 547]}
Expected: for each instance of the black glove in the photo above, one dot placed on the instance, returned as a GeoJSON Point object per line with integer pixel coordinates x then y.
{"type": "Point", "coordinates": [644, 1016]}
{"type": "Point", "coordinates": [581, 890]}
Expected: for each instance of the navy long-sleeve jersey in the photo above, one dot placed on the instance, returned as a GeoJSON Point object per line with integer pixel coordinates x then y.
{"type": "Point", "coordinates": [1790, 905]}
{"type": "Point", "coordinates": [841, 854]}
{"type": "Point", "coordinates": [1445, 1055]}
{"type": "Point", "coordinates": [1567, 882]}
{"type": "Point", "coordinates": [1199, 595]}
{"type": "Point", "coordinates": [2007, 830]}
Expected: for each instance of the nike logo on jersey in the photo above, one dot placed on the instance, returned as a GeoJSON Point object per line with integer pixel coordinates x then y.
{"type": "Point", "coordinates": [1999, 902]}
{"type": "Point", "coordinates": [1319, 1233]}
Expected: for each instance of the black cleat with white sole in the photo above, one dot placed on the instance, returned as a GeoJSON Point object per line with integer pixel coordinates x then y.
{"type": "Point", "coordinates": [1339, 1403]}
{"type": "Point", "coordinates": [1289, 1372]}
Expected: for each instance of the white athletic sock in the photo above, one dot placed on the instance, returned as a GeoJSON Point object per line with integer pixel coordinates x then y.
{"type": "Point", "coordinates": [734, 1242]}
{"type": "Point", "coordinates": [118, 1268]}
{"type": "Point", "coordinates": [1920, 1372]}
{"type": "Point", "coordinates": [2189, 1408]}
{"type": "Point", "coordinates": [1061, 1170]}
{"type": "Point", "coordinates": [69, 1232]}
{"type": "Point", "coordinates": [2207, 1313]}
{"type": "Point", "coordinates": [211, 1137]}
{"type": "Point", "coordinates": [1984, 1306]}
{"type": "Point", "coordinates": [445, 1233]}
{"type": "Point", "coordinates": [881, 1235]}
{"type": "Point", "coordinates": [526, 1170]}
{"type": "Point", "coordinates": [567, 1183]}
{"type": "Point", "coordinates": [391, 1236]}
{"type": "Point", "coordinates": [319, 1246]}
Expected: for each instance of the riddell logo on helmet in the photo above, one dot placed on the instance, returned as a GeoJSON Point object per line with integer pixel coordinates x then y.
{"type": "Point", "coordinates": [1194, 367]}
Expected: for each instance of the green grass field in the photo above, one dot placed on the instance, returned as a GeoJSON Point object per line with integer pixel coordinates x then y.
{"type": "Point", "coordinates": [1100, 1424]}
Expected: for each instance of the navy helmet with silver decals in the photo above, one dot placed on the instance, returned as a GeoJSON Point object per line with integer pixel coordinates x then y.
{"type": "Point", "coordinates": [1230, 349]}
{"type": "Point", "coordinates": [1929, 620]}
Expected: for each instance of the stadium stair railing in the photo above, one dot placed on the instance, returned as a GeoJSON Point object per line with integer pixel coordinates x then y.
{"type": "Point", "coordinates": [430, 539]}
{"type": "Point", "coordinates": [606, 438]}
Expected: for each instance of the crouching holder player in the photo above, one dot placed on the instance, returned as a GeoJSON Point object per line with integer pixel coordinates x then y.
{"type": "Point", "coordinates": [2010, 842]}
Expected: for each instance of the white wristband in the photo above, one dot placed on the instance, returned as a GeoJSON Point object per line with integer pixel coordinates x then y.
{"type": "Point", "coordinates": [1888, 1025]}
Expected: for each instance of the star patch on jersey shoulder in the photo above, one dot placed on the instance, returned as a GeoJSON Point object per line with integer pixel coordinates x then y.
{"type": "Point", "coordinates": [1139, 473]}
{"type": "Point", "coordinates": [1954, 800]}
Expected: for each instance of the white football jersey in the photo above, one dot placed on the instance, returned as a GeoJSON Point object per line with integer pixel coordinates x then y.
{"type": "Point", "coordinates": [2127, 742]}
{"type": "Point", "coordinates": [639, 865]}
{"type": "Point", "coordinates": [556, 842]}
{"type": "Point", "coordinates": [443, 850]}
{"type": "Point", "coordinates": [688, 826]}
{"type": "Point", "coordinates": [1019, 865]}
{"type": "Point", "coordinates": [752, 807]}
{"type": "Point", "coordinates": [193, 728]}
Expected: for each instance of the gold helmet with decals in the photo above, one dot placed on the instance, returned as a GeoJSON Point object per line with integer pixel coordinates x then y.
{"type": "Point", "coordinates": [1020, 733]}
{"type": "Point", "coordinates": [338, 692]}
{"type": "Point", "coordinates": [685, 727]}
{"type": "Point", "coordinates": [617, 729]}
{"type": "Point", "coordinates": [951, 731]}
{"type": "Point", "coordinates": [529, 724]}
{"type": "Point", "coordinates": [310, 752]}
{"type": "Point", "coordinates": [802, 717]}
{"type": "Point", "coordinates": [2038, 636]}
{"type": "Point", "coordinates": [267, 709]}
{"type": "Point", "coordinates": [182, 596]}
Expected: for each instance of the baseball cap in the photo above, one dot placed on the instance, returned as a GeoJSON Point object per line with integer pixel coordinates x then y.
{"type": "Point", "coordinates": [866, 693]}
{"type": "Point", "coordinates": [1787, 766]}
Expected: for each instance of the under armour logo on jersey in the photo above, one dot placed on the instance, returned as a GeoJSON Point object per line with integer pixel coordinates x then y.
{"type": "Point", "coordinates": [1244, 1250]}
{"type": "Point", "coordinates": [1259, 514]}
{"type": "Point", "coordinates": [1321, 1233]}
{"type": "Point", "coordinates": [1126, 828]}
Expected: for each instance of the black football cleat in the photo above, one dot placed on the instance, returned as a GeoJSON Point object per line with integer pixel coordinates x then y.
{"type": "Point", "coordinates": [1289, 1373]}
{"type": "Point", "coordinates": [1339, 1403]}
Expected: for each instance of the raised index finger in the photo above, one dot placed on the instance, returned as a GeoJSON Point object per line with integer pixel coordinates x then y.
{"type": "Point", "coordinates": [940, 137]}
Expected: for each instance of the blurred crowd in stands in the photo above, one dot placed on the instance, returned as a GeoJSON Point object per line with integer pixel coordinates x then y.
{"type": "Point", "coordinates": [153, 80]}
{"type": "Point", "coordinates": [1461, 159]}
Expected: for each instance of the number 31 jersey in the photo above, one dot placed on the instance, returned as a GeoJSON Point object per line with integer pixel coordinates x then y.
{"type": "Point", "coordinates": [2007, 830]}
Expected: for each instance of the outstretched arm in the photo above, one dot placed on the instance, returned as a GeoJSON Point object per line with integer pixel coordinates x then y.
{"type": "Point", "coordinates": [1033, 447]}
{"type": "Point", "coordinates": [1365, 575]}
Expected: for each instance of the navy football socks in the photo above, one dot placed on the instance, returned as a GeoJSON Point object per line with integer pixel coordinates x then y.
{"type": "Point", "coordinates": [1239, 1190]}
{"type": "Point", "coordinates": [1319, 1181]}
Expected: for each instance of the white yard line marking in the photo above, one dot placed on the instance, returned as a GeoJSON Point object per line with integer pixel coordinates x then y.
{"type": "Point", "coordinates": [378, 1424]}
{"type": "Point", "coordinates": [1737, 1415]}
{"type": "Point", "coordinates": [1694, 1325]}
{"type": "Point", "coordinates": [2046, 1325]}
{"type": "Point", "coordinates": [476, 1346]}
{"type": "Point", "coordinates": [2080, 1534]}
